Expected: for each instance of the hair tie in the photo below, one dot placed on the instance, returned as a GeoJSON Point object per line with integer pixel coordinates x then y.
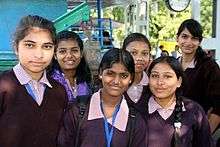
{"type": "Point", "coordinates": [177, 125]}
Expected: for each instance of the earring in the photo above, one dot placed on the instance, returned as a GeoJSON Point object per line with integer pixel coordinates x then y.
{"type": "Point", "coordinates": [130, 82]}
{"type": "Point", "coordinates": [100, 77]}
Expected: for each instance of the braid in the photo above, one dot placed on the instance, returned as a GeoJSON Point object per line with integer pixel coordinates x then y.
{"type": "Point", "coordinates": [177, 121]}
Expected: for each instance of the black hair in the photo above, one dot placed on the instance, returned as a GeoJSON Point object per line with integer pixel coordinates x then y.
{"type": "Point", "coordinates": [83, 72]}
{"type": "Point", "coordinates": [135, 37]}
{"type": "Point", "coordinates": [164, 53]}
{"type": "Point", "coordinates": [116, 55]}
{"type": "Point", "coordinates": [196, 30]}
{"type": "Point", "coordinates": [177, 68]}
{"type": "Point", "coordinates": [28, 22]}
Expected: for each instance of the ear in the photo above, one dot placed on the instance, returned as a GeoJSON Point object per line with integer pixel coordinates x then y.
{"type": "Point", "coordinates": [179, 82]}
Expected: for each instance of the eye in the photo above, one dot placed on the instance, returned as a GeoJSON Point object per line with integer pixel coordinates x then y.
{"type": "Point", "coordinates": [29, 45]}
{"type": "Point", "coordinates": [74, 51]}
{"type": "Point", "coordinates": [48, 47]}
{"type": "Point", "coordinates": [145, 53]}
{"type": "Point", "coordinates": [61, 51]}
{"type": "Point", "coordinates": [109, 73]}
{"type": "Point", "coordinates": [167, 76]}
{"type": "Point", "coordinates": [154, 75]}
{"type": "Point", "coordinates": [124, 75]}
{"type": "Point", "coordinates": [133, 53]}
{"type": "Point", "coordinates": [195, 38]}
{"type": "Point", "coordinates": [184, 36]}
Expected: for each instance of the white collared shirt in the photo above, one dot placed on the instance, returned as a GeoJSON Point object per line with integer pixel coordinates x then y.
{"type": "Point", "coordinates": [164, 112]}
{"type": "Point", "coordinates": [95, 112]}
{"type": "Point", "coordinates": [135, 91]}
{"type": "Point", "coordinates": [38, 87]}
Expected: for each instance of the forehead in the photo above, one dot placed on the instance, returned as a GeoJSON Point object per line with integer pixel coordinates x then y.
{"type": "Point", "coordinates": [38, 35]}
{"type": "Point", "coordinates": [163, 68]}
{"type": "Point", "coordinates": [117, 68]}
{"type": "Point", "coordinates": [68, 42]}
{"type": "Point", "coordinates": [186, 32]}
{"type": "Point", "coordinates": [138, 45]}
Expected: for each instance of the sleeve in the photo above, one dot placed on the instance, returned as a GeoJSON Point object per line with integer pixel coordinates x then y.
{"type": "Point", "coordinates": [67, 132]}
{"type": "Point", "coordinates": [139, 138]}
{"type": "Point", "coordinates": [201, 130]}
{"type": "Point", "coordinates": [213, 86]}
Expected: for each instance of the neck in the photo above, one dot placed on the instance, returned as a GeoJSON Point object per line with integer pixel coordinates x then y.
{"type": "Point", "coordinates": [137, 78]}
{"type": "Point", "coordinates": [165, 102]}
{"type": "Point", "coordinates": [35, 76]}
{"type": "Point", "coordinates": [70, 75]}
{"type": "Point", "coordinates": [110, 101]}
{"type": "Point", "coordinates": [187, 58]}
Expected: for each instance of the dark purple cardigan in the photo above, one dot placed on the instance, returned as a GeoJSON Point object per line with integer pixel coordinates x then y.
{"type": "Point", "coordinates": [22, 122]}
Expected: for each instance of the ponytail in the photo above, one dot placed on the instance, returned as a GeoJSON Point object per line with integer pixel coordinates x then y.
{"type": "Point", "coordinates": [177, 122]}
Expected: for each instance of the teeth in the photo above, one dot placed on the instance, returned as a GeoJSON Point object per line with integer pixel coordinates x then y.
{"type": "Point", "coordinates": [69, 62]}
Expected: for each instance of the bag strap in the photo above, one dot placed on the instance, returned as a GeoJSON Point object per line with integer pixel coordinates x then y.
{"type": "Point", "coordinates": [131, 123]}
{"type": "Point", "coordinates": [82, 102]}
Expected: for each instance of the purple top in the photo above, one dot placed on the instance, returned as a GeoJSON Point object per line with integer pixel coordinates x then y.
{"type": "Point", "coordinates": [82, 88]}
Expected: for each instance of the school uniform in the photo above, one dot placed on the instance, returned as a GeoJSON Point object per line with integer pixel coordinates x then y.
{"type": "Point", "coordinates": [136, 94]}
{"type": "Point", "coordinates": [92, 131]}
{"type": "Point", "coordinates": [202, 84]}
{"type": "Point", "coordinates": [82, 88]}
{"type": "Point", "coordinates": [194, 132]}
{"type": "Point", "coordinates": [29, 119]}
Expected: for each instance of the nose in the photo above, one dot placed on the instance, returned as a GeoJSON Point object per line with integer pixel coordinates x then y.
{"type": "Point", "coordinates": [160, 81]}
{"type": "Point", "coordinates": [117, 80]}
{"type": "Point", "coordinates": [69, 54]}
{"type": "Point", "coordinates": [39, 53]}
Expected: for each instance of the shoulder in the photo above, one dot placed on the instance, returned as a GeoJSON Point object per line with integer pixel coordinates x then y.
{"type": "Point", "coordinates": [193, 107]}
{"type": "Point", "coordinates": [8, 80]}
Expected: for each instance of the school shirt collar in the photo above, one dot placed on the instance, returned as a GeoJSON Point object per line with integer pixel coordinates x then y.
{"type": "Point", "coordinates": [24, 78]}
{"type": "Point", "coordinates": [192, 63]}
{"type": "Point", "coordinates": [95, 112]}
{"type": "Point", "coordinates": [164, 112]}
{"type": "Point", "coordinates": [144, 80]}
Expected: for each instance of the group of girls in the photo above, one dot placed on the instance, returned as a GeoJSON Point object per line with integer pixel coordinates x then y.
{"type": "Point", "coordinates": [47, 99]}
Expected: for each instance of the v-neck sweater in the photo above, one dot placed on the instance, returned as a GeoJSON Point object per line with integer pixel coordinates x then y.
{"type": "Point", "coordinates": [23, 123]}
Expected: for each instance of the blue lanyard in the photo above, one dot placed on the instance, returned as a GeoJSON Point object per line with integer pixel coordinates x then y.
{"type": "Point", "coordinates": [30, 91]}
{"type": "Point", "coordinates": [109, 133]}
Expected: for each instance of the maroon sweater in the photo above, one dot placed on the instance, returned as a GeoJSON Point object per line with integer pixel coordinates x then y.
{"type": "Point", "coordinates": [23, 123]}
{"type": "Point", "coordinates": [92, 131]}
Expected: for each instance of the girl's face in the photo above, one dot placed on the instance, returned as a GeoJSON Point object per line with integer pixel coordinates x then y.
{"type": "Point", "coordinates": [68, 54]}
{"type": "Point", "coordinates": [141, 54]}
{"type": "Point", "coordinates": [163, 81]}
{"type": "Point", "coordinates": [187, 43]}
{"type": "Point", "coordinates": [35, 51]}
{"type": "Point", "coordinates": [115, 80]}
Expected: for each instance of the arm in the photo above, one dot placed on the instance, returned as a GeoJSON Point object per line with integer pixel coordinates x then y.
{"type": "Point", "coordinates": [202, 134]}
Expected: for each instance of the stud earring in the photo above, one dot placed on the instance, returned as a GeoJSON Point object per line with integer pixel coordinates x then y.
{"type": "Point", "coordinates": [100, 77]}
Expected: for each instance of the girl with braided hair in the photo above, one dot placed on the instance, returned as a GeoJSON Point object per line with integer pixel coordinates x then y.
{"type": "Point", "coordinates": [173, 121]}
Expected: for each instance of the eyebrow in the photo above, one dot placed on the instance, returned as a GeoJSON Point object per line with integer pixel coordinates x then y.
{"type": "Point", "coordinates": [49, 43]}
{"type": "Point", "coordinates": [163, 72]}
